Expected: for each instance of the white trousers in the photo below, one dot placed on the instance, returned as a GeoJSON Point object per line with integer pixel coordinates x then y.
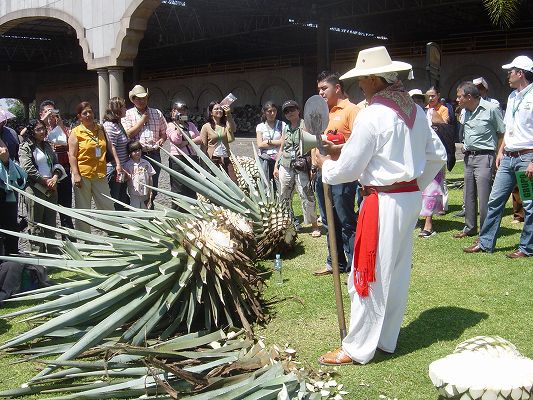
{"type": "Point", "coordinates": [375, 320]}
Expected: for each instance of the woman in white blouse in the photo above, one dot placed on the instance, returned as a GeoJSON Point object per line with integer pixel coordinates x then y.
{"type": "Point", "coordinates": [269, 138]}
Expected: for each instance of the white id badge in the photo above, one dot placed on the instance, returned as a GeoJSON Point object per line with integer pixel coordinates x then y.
{"type": "Point", "coordinates": [293, 154]}
{"type": "Point", "coordinates": [98, 151]}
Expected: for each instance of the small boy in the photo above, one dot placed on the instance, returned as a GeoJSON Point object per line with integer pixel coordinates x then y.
{"type": "Point", "coordinates": [139, 173]}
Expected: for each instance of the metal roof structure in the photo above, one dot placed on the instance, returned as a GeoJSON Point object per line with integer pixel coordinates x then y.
{"type": "Point", "coordinates": [186, 34]}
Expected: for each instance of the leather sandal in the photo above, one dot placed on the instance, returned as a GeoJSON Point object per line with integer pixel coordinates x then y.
{"type": "Point", "coordinates": [336, 357]}
{"type": "Point", "coordinates": [322, 272]}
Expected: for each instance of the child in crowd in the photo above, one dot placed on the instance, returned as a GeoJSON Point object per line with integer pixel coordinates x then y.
{"type": "Point", "coordinates": [139, 173]}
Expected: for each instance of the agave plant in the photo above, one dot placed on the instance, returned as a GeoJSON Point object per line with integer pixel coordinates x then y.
{"type": "Point", "coordinates": [271, 220]}
{"type": "Point", "coordinates": [197, 366]}
{"type": "Point", "coordinates": [152, 274]}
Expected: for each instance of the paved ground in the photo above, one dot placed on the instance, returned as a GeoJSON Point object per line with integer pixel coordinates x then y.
{"type": "Point", "coordinates": [242, 146]}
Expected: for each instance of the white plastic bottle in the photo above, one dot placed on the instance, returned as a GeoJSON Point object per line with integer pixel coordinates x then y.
{"type": "Point", "coordinates": [278, 277]}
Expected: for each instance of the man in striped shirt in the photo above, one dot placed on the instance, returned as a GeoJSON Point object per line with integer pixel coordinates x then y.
{"type": "Point", "coordinates": [148, 125]}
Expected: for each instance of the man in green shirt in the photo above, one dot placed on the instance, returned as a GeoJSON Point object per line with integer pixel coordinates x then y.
{"type": "Point", "coordinates": [483, 125]}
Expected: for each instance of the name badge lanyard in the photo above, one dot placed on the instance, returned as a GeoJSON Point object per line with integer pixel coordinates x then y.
{"type": "Point", "coordinates": [219, 131]}
{"type": "Point", "coordinates": [272, 132]}
{"type": "Point", "coordinates": [98, 149]}
{"type": "Point", "coordinates": [515, 108]}
{"type": "Point", "coordinates": [293, 134]}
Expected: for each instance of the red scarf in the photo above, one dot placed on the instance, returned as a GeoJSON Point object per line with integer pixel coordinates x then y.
{"type": "Point", "coordinates": [396, 98]}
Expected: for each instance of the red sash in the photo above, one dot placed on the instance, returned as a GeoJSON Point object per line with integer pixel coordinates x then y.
{"type": "Point", "coordinates": [366, 246]}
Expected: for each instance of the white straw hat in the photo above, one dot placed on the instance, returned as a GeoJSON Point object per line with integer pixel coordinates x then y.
{"type": "Point", "coordinates": [138, 91]}
{"type": "Point", "coordinates": [375, 60]}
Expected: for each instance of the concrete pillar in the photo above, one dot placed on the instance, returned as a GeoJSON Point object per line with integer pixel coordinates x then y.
{"type": "Point", "coordinates": [116, 82]}
{"type": "Point", "coordinates": [103, 92]}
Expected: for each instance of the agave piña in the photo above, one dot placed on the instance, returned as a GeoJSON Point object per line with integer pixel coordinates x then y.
{"type": "Point", "coordinates": [272, 222]}
{"type": "Point", "coordinates": [483, 368]}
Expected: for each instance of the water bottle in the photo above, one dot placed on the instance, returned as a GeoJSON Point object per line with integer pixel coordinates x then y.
{"type": "Point", "coordinates": [278, 277]}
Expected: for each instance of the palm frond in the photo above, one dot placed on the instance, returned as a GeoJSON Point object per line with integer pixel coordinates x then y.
{"type": "Point", "coordinates": [502, 12]}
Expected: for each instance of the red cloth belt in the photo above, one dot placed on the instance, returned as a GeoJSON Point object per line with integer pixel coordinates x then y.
{"type": "Point", "coordinates": [367, 233]}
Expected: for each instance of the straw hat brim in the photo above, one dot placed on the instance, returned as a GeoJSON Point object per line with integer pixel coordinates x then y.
{"type": "Point", "coordinates": [394, 66]}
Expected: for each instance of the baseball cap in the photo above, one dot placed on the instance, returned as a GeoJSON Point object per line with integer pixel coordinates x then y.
{"type": "Point", "coordinates": [481, 81]}
{"type": "Point", "coordinates": [417, 93]}
{"type": "Point", "coordinates": [520, 62]}
{"type": "Point", "coordinates": [289, 103]}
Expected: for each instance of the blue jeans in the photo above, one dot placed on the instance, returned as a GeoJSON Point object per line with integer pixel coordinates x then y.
{"type": "Point", "coordinates": [343, 201]}
{"type": "Point", "coordinates": [502, 187]}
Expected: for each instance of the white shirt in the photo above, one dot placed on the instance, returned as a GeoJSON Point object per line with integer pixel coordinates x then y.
{"type": "Point", "coordinates": [519, 120]}
{"type": "Point", "coordinates": [57, 136]}
{"type": "Point", "coordinates": [42, 162]}
{"type": "Point", "coordinates": [267, 133]}
{"type": "Point", "coordinates": [382, 150]}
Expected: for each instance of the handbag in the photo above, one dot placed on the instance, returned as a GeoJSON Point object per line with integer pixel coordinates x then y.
{"type": "Point", "coordinates": [300, 164]}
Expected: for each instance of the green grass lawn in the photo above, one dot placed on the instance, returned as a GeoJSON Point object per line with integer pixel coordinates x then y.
{"type": "Point", "coordinates": [453, 296]}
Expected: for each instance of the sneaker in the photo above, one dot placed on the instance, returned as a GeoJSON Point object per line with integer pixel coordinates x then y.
{"type": "Point", "coordinates": [425, 234]}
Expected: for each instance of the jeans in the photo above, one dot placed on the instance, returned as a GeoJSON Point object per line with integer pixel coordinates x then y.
{"type": "Point", "coordinates": [118, 190]}
{"type": "Point", "coordinates": [343, 201]}
{"type": "Point", "coordinates": [502, 187]}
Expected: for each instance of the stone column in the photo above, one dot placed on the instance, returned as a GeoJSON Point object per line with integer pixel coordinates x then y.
{"type": "Point", "coordinates": [103, 92]}
{"type": "Point", "coordinates": [116, 82]}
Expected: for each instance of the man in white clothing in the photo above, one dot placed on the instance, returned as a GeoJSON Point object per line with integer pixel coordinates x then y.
{"type": "Point", "coordinates": [394, 154]}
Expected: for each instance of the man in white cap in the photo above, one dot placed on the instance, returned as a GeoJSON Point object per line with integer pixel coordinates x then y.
{"type": "Point", "coordinates": [515, 154]}
{"type": "Point", "coordinates": [394, 154]}
{"type": "Point", "coordinates": [148, 126]}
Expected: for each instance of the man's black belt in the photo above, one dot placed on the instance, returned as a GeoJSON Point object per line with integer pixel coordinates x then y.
{"type": "Point", "coordinates": [478, 152]}
{"type": "Point", "coordinates": [518, 153]}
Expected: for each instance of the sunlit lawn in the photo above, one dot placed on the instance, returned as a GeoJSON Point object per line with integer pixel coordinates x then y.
{"type": "Point", "coordinates": [453, 296]}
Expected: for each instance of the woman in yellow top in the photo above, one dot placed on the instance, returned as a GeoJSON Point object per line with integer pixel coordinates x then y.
{"type": "Point", "coordinates": [87, 147]}
{"type": "Point", "coordinates": [216, 136]}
